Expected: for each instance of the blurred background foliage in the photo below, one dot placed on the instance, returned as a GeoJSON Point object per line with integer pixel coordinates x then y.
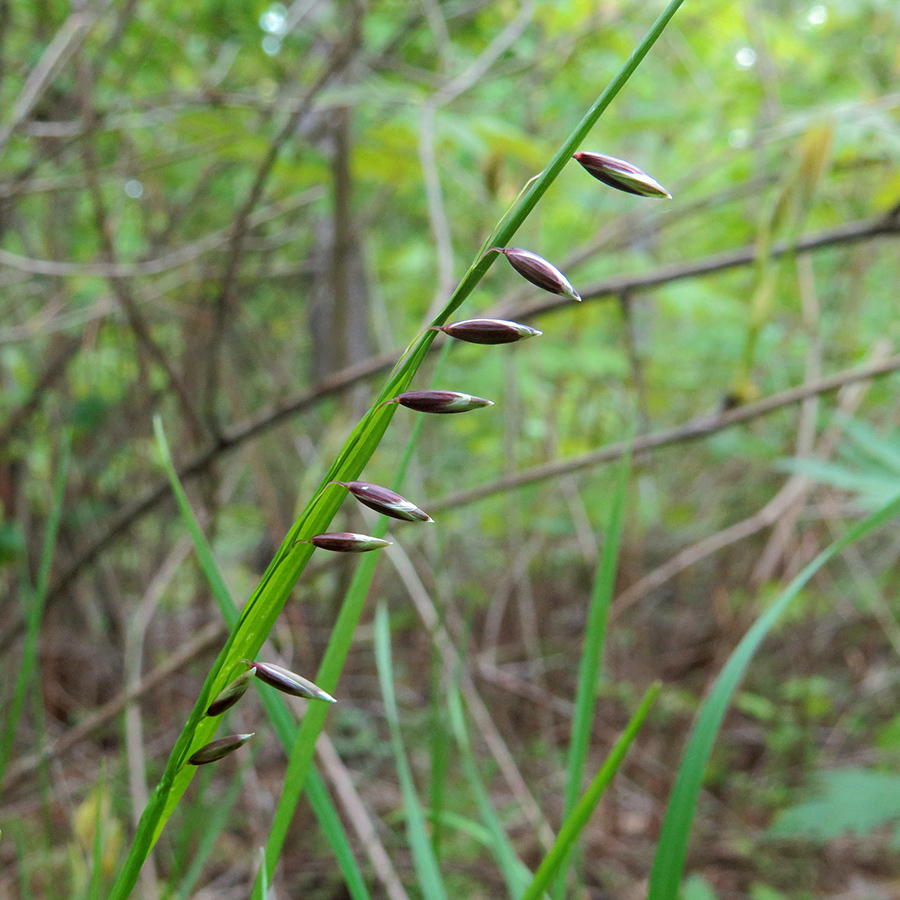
{"type": "Point", "coordinates": [229, 213]}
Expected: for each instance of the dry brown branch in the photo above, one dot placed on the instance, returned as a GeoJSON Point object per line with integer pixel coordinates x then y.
{"type": "Point", "coordinates": [701, 427]}
{"type": "Point", "coordinates": [168, 261]}
{"type": "Point", "coordinates": [359, 817]}
{"type": "Point", "coordinates": [341, 56]}
{"type": "Point", "coordinates": [134, 730]}
{"type": "Point", "coordinates": [65, 42]}
{"type": "Point", "coordinates": [788, 500]}
{"type": "Point", "coordinates": [62, 353]}
{"type": "Point", "coordinates": [437, 214]}
{"type": "Point", "coordinates": [206, 639]}
{"type": "Point", "coordinates": [764, 518]}
{"type": "Point", "coordinates": [353, 375]}
{"type": "Point", "coordinates": [480, 713]}
{"type": "Point", "coordinates": [121, 289]}
{"type": "Point", "coordinates": [853, 232]}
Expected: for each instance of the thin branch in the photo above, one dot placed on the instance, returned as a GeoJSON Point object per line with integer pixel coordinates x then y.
{"type": "Point", "coordinates": [437, 212]}
{"type": "Point", "coordinates": [206, 639]}
{"type": "Point", "coordinates": [684, 559]}
{"type": "Point", "coordinates": [353, 375]}
{"type": "Point", "coordinates": [134, 731]}
{"type": "Point", "coordinates": [862, 230]}
{"type": "Point", "coordinates": [337, 64]}
{"type": "Point", "coordinates": [634, 360]}
{"type": "Point", "coordinates": [119, 287]}
{"type": "Point", "coordinates": [52, 371]}
{"type": "Point", "coordinates": [359, 817]}
{"type": "Point", "coordinates": [480, 713]}
{"type": "Point", "coordinates": [701, 427]}
{"type": "Point", "coordinates": [65, 42]}
{"type": "Point", "coordinates": [786, 502]}
{"type": "Point", "coordinates": [131, 513]}
{"type": "Point", "coordinates": [497, 47]}
{"type": "Point", "coordinates": [179, 257]}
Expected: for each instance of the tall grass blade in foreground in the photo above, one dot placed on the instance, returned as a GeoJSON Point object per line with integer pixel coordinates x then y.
{"type": "Point", "coordinates": [573, 825]}
{"type": "Point", "coordinates": [301, 753]}
{"type": "Point", "coordinates": [592, 654]}
{"type": "Point", "coordinates": [668, 866]}
{"type": "Point", "coordinates": [211, 825]}
{"type": "Point", "coordinates": [429, 875]}
{"type": "Point", "coordinates": [515, 873]}
{"type": "Point", "coordinates": [267, 600]}
{"type": "Point", "coordinates": [439, 742]}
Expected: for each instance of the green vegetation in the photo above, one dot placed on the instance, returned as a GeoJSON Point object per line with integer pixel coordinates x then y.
{"type": "Point", "coordinates": [646, 648]}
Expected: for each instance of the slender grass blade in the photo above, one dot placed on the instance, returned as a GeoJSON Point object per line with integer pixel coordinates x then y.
{"type": "Point", "coordinates": [668, 865]}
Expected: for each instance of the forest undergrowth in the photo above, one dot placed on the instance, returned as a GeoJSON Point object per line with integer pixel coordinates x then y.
{"type": "Point", "coordinates": [623, 626]}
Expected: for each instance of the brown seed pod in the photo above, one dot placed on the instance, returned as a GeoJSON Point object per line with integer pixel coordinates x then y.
{"type": "Point", "coordinates": [621, 175]}
{"type": "Point", "coordinates": [230, 695]}
{"type": "Point", "coordinates": [347, 542]}
{"type": "Point", "coordinates": [288, 682]}
{"type": "Point", "coordinates": [488, 331]}
{"type": "Point", "coordinates": [217, 749]}
{"type": "Point", "coordinates": [385, 501]}
{"type": "Point", "coordinates": [538, 271]}
{"type": "Point", "coordinates": [442, 402]}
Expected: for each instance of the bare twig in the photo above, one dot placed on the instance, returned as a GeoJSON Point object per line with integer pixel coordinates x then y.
{"type": "Point", "coordinates": [634, 360]}
{"type": "Point", "coordinates": [862, 230]}
{"type": "Point", "coordinates": [806, 427]}
{"type": "Point", "coordinates": [172, 260]}
{"type": "Point", "coordinates": [52, 371]}
{"type": "Point", "coordinates": [784, 506]}
{"type": "Point", "coordinates": [119, 287]}
{"type": "Point", "coordinates": [505, 762]}
{"type": "Point", "coordinates": [359, 817]}
{"type": "Point", "coordinates": [65, 42]}
{"type": "Point", "coordinates": [340, 59]}
{"type": "Point", "coordinates": [698, 428]}
{"type": "Point", "coordinates": [701, 427]}
{"type": "Point", "coordinates": [690, 556]}
{"type": "Point", "coordinates": [437, 215]}
{"type": "Point", "coordinates": [205, 639]}
{"type": "Point", "coordinates": [353, 375]}
{"type": "Point", "coordinates": [134, 662]}
{"type": "Point", "coordinates": [497, 47]}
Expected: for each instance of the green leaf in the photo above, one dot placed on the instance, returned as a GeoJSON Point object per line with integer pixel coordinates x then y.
{"type": "Point", "coordinates": [848, 801]}
{"type": "Point", "coordinates": [881, 449]}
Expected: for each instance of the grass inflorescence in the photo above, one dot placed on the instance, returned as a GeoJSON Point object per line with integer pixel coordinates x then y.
{"type": "Point", "coordinates": [310, 529]}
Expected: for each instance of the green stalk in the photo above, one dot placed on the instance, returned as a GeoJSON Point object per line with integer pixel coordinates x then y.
{"type": "Point", "coordinates": [280, 716]}
{"type": "Point", "coordinates": [301, 753]}
{"type": "Point", "coordinates": [591, 657]}
{"type": "Point", "coordinates": [427, 869]}
{"type": "Point", "coordinates": [573, 825]}
{"type": "Point", "coordinates": [267, 600]}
